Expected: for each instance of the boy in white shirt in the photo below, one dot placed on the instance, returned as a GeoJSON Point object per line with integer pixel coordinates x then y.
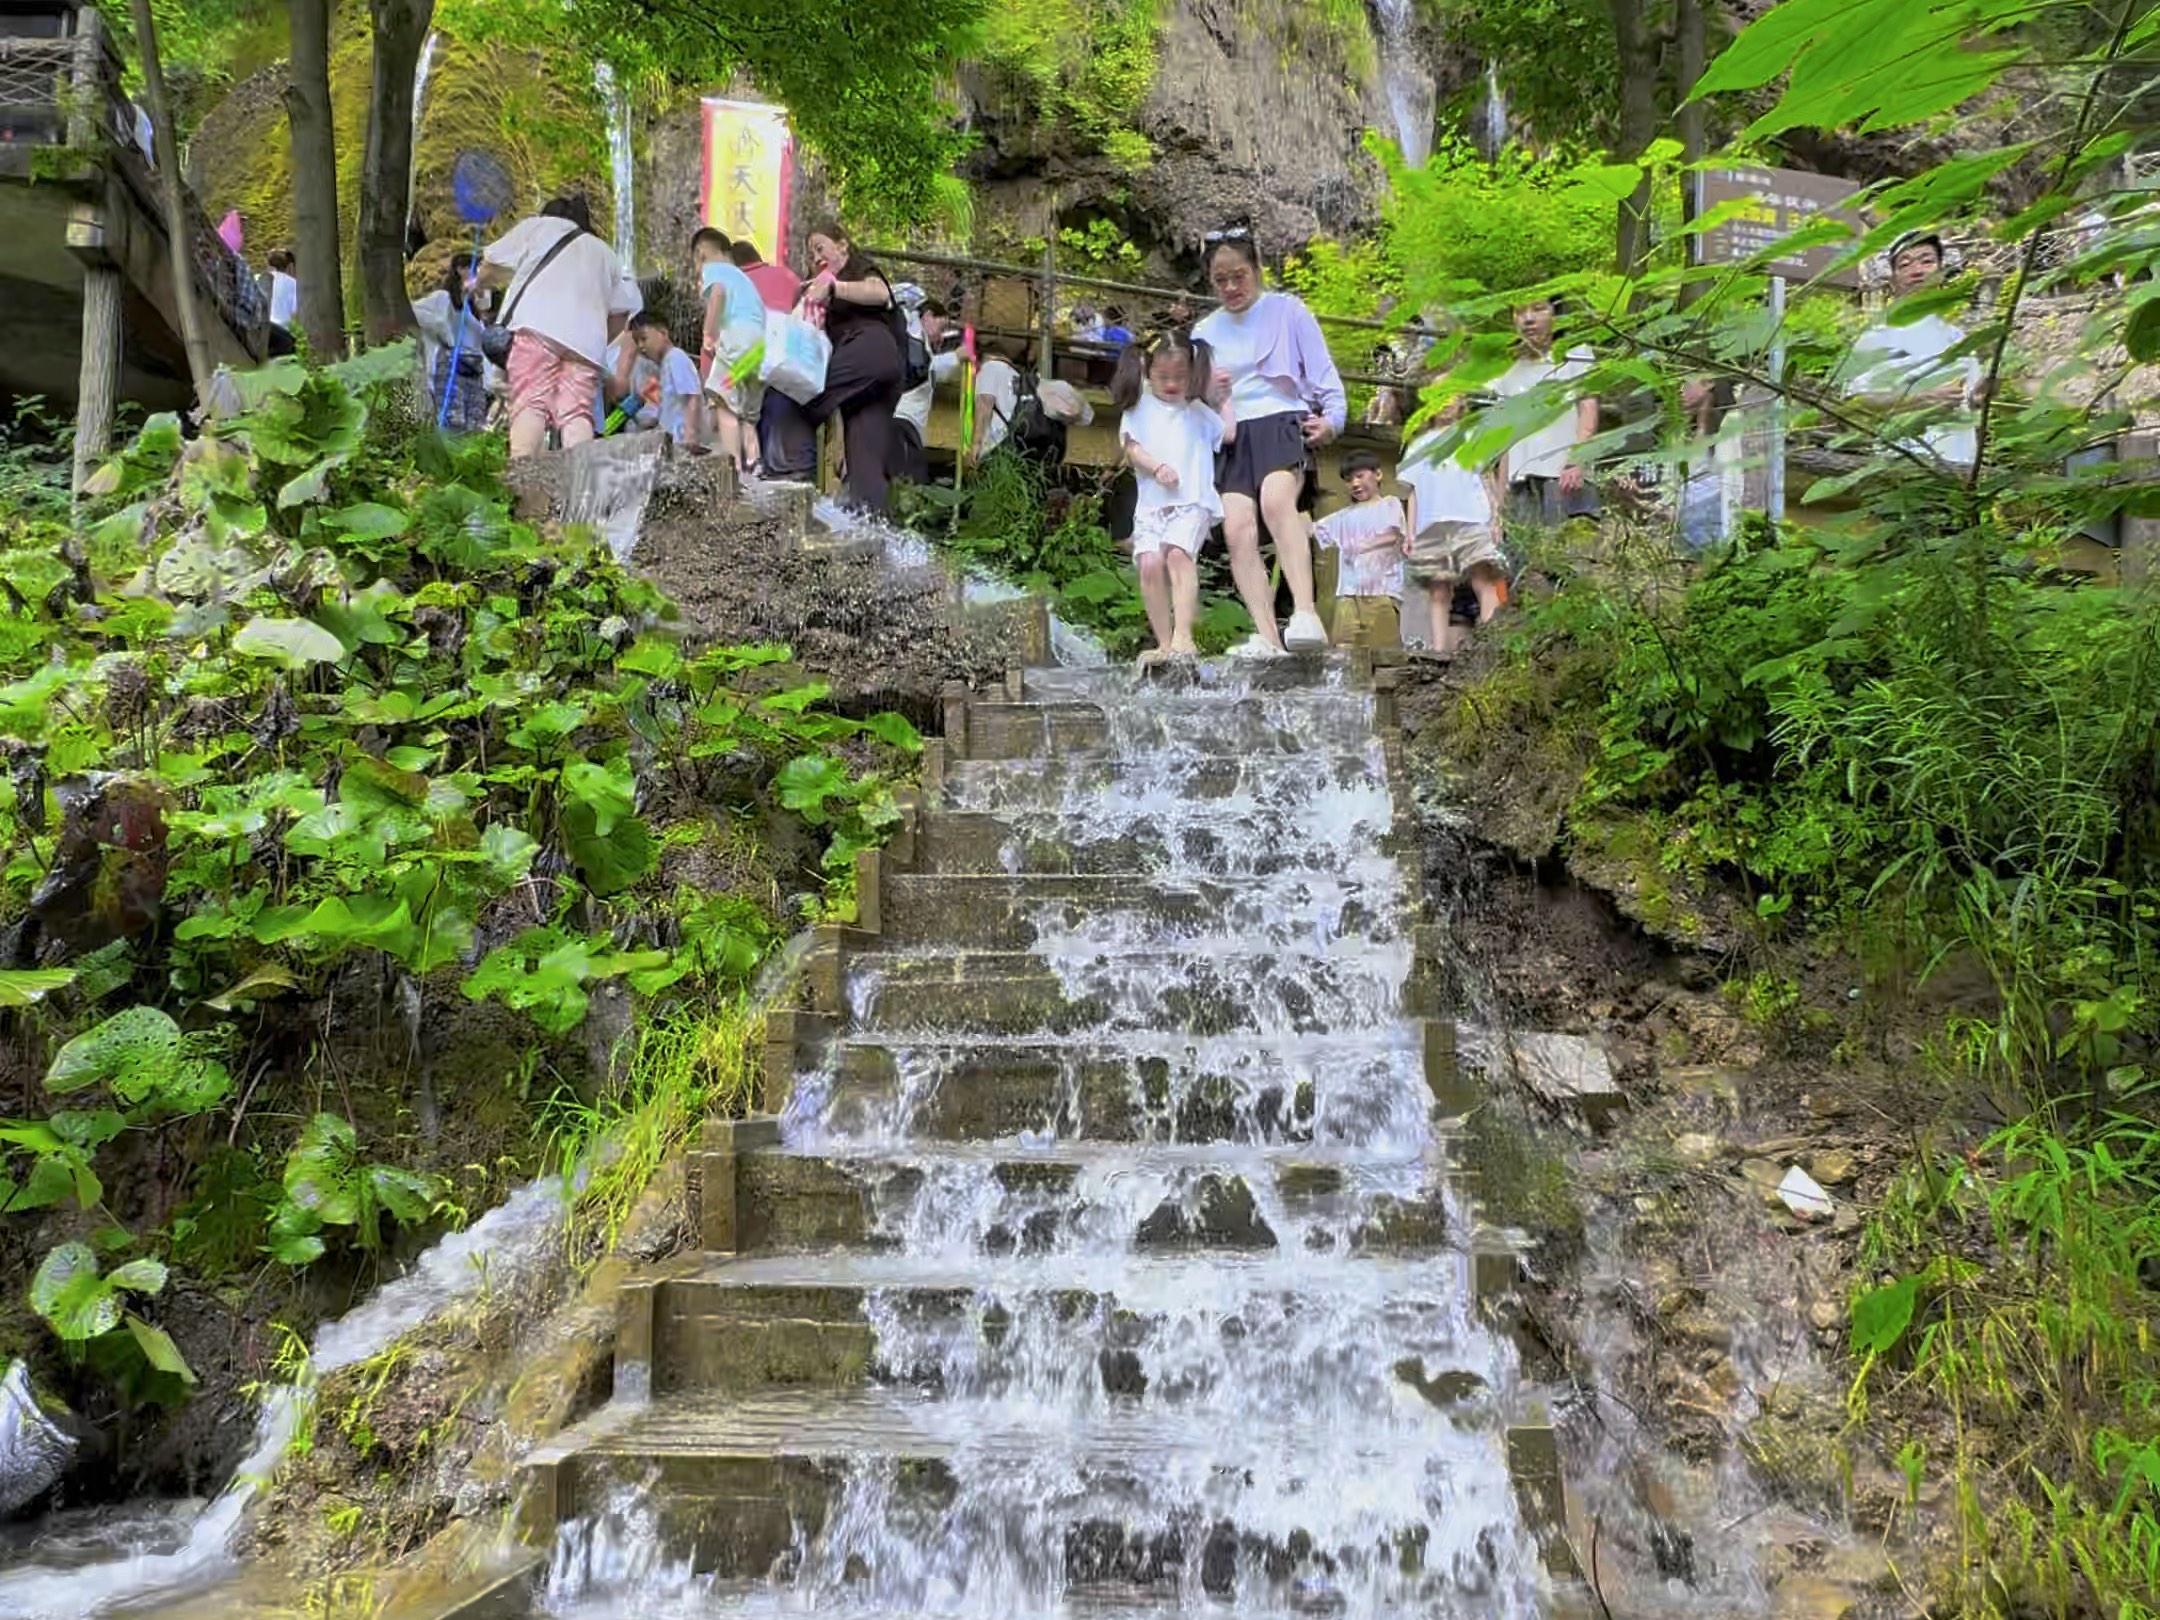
{"type": "Point", "coordinates": [1368, 535]}
{"type": "Point", "coordinates": [1454, 532]}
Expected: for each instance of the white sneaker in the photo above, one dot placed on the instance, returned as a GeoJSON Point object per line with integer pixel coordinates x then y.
{"type": "Point", "coordinates": [1305, 633]}
{"type": "Point", "coordinates": [1253, 650]}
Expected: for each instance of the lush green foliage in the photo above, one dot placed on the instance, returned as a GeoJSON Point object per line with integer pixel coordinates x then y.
{"type": "Point", "coordinates": [1897, 724]}
{"type": "Point", "coordinates": [348, 713]}
{"type": "Point", "coordinates": [1556, 59]}
{"type": "Point", "coordinates": [1081, 64]}
{"type": "Point", "coordinates": [1008, 521]}
{"type": "Point", "coordinates": [865, 88]}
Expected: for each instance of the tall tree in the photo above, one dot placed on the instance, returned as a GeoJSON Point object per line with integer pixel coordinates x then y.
{"type": "Point", "coordinates": [401, 30]}
{"type": "Point", "coordinates": [1639, 49]}
{"type": "Point", "coordinates": [192, 337]}
{"type": "Point", "coordinates": [315, 184]}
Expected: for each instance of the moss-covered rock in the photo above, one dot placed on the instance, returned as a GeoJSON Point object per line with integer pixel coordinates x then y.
{"type": "Point", "coordinates": [534, 112]}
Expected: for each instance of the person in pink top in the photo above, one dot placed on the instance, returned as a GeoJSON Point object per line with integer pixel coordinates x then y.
{"type": "Point", "coordinates": [787, 439]}
{"type": "Point", "coordinates": [776, 283]}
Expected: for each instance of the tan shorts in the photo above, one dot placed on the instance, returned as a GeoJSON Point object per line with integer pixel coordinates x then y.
{"type": "Point", "coordinates": [746, 398]}
{"type": "Point", "coordinates": [1445, 551]}
{"type": "Point", "coordinates": [1367, 621]}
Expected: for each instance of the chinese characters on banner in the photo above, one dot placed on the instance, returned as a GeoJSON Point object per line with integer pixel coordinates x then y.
{"type": "Point", "coordinates": [749, 163]}
{"type": "Point", "coordinates": [1779, 202]}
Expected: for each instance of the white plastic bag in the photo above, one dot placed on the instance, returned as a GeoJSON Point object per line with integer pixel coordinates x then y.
{"type": "Point", "coordinates": [795, 357]}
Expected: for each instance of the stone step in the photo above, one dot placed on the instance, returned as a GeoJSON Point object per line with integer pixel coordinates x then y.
{"type": "Point", "coordinates": [1349, 986]}
{"type": "Point", "coordinates": [1112, 1199]}
{"type": "Point", "coordinates": [1224, 844]}
{"type": "Point", "coordinates": [1212, 680]}
{"type": "Point", "coordinates": [1279, 1331]}
{"type": "Point", "coordinates": [1062, 915]}
{"type": "Point", "coordinates": [1143, 1086]}
{"type": "Point", "coordinates": [1321, 796]}
{"type": "Point", "coordinates": [771, 1485]}
{"type": "Point", "coordinates": [1274, 723]}
{"type": "Point", "coordinates": [757, 1600]}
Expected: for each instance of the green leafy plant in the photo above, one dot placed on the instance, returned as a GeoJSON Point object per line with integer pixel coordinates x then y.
{"type": "Point", "coordinates": [328, 1184]}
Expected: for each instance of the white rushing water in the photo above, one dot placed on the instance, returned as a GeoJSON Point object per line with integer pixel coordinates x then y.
{"type": "Point", "coordinates": [1494, 118]}
{"type": "Point", "coordinates": [499, 1250]}
{"type": "Point", "coordinates": [1410, 89]}
{"type": "Point", "coordinates": [421, 70]}
{"type": "Point", "coordinates": [1196, 1333]}
{"type": "Point", "coordinates": [622, 163]}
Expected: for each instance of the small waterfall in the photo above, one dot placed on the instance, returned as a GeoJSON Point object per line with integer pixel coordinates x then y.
{"type": "Point", "coordinates": [622, 161]}
{"type": "Point", "coordinates": [1409, 86]}
{"type": "Point", "coordinates": [494, 1252]}
{"type": "Point", "coordinates": [1162, 1266]}
{"type": "Point", "coordinates": [1493, 122]}
{"type": "Point", "coordinates": [425, 67]}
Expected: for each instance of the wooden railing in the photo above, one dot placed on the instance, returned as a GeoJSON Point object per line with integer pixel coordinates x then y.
{"type": "Point", "coordinates": [65, 115]}
{"type": "Point", "coordinates": [1033, 306]}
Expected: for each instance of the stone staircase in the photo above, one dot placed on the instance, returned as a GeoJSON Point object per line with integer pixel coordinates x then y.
{"type": "Point", "coordinates": [1100, 1252]}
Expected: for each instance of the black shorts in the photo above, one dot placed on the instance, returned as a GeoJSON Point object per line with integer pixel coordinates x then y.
{"type": "Point", "coordinates": [1263, 446]}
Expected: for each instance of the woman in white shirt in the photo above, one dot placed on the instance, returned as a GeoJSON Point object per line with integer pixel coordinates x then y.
{"type": "Point", "coordinates": [1272, 365]}
{"type": "Point", "coordinates": [561, 312]}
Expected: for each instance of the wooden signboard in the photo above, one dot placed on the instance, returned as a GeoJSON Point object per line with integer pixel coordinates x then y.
{"type": "Point", "coordinates": [1780, 202]}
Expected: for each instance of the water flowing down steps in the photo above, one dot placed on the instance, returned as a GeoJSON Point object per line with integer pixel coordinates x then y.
{"type": "Point", "coordinates": [1102, 1253]}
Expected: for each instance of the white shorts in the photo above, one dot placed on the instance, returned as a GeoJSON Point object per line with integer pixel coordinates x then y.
{"type": "Point", "coordinates": [1185, 527]}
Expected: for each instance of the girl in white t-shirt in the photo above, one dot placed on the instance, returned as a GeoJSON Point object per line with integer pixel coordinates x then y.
{"type": "Point", "coordinates": [1454, 530]}
{"type": "Point", "coordinates": [1170, 437]}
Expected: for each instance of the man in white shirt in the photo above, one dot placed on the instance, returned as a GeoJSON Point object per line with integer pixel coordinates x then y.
{"type": "Point", "coordinates": [926, 320]}
{"type": "Point", "coordinates": [284, 301]}
{"type": "Point", "coordinates": [1546, 484]}
{"type": "Point", "coordinates": [562, 313]}
{"type": "Point", "coordinates": [997, 396]}
{"type": "Point", "coordinates": [1902, 367]}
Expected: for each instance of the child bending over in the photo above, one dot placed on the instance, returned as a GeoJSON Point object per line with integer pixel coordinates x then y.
{"type": "Point", "coordinates": [1170, 436]}
{"type": "Point", "coordinates": [1454, 531]}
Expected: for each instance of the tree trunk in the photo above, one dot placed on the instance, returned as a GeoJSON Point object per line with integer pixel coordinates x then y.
{"type": "Point", "coordinates": [1638, 52]}
{"type": "Point", "coordinates": [1690, 41]}
{"type": "Point", "coordinates": [401, 29]}
{"type": "Point", "coordinates": [321, 268]}
{"type": "Point", "coordinates": [177, 234]}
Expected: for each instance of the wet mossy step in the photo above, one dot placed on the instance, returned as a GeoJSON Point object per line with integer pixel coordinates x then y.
{"type": "Point", "coordinates": [1277, 724]}
{"type": "Point", "coordinates": [1150, 1087]}
{"type": "Point", "coordinates": [956, 1328]}
{"type": "Point", "coordinates": [739, 1487]}
{"type": "Point", "coordinates": [1302, 990]}
{"type": "Point", "coordinates": [996, 912]}
{"type": "Point", "coordinates": [1224, 844]}
{"type": "Point", "coordinates": [1165, 1202]}
{"type": "Point", "coordinates": [1321, 789]}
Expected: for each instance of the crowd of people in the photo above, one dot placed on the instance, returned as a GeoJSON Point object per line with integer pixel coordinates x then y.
{"type": "Point", "coordinates": [1222, 418]}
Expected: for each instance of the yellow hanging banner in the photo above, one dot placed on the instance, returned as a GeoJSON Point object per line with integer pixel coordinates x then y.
{"type": "Point", "coordinates": [749, 164]}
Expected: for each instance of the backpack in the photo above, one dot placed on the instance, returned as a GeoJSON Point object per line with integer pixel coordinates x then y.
{"type": "Point", "coordinates": [914, 362]}
{"type": "Point", "coordinates": [1031, 430]}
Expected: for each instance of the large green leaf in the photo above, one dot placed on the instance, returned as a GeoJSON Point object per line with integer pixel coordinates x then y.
{"type": "Point", "coordinates": [1881, 1315]}
{"type": "Point", "coordinates": [406, 1195]}
{"type": "Point", "coordinates": [68, 1292]}
{"type": "Point", "coordinates": [606, 790]}
{"type": "Point", "coordinates": [135, 1050]}
{"type": "Point", "coordinates": [319, 1173]}
{"type": "Point", "coordinates": [23, 987]}
{"type": "Point", "coordinates": [609, 862]}
{"type": "Point", "coordinates": [159, 1350]}
{"type": "Point", "coordinates": [295, 643]}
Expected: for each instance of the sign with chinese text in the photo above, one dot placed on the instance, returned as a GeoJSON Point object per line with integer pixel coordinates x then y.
{"type": "Point", "coordinates": [1778, 202]}
{"type": "Point", "coordinates": [749, 162]}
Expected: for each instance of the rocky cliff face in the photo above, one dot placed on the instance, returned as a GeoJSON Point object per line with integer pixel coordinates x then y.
{"type": "Point", "coordinates": [1258, 111]}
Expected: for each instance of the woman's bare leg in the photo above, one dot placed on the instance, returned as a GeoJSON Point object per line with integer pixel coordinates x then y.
{"type": "Point", "coordinates": [1291, 531]}
{"type": "Point", "coordinates": [1241, 530]}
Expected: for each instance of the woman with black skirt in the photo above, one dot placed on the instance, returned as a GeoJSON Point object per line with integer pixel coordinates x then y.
{"type": "Point", "coordinates": [862, 380]}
